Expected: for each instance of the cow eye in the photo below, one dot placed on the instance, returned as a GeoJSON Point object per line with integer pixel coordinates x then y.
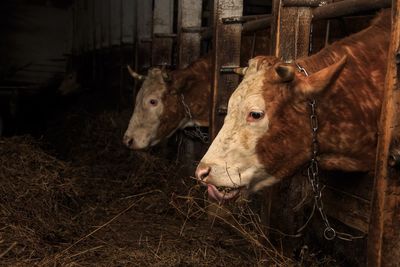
{"type": "Point", "coordinates": [255, 115]}
{"type": "Point", "coordinates": [153, 102]}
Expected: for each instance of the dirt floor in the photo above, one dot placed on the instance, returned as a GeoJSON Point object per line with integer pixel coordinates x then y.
{"type": "Point", "coordinates": [77, 197]}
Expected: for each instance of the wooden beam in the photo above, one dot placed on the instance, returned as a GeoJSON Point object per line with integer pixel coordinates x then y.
{"type": "Point", "coordinates": [128, 21]}
{"type": "Point", "coordinates": [384, 228]}
{"type": "Point", "coordinates": [226, 40]}
{"type": "Point", "coordinates": [293, 33]}
{"type": "Point", "coordinates": [116, 22]}
{"type": "Point", "coordinates": [257, 25]}
{"type": "Point", "coordinates": [90, 25]}
{"type": "Point", "coordinates": [348, 7]}
{"type": "Point", "coordinates": [163, 14]}
{"type": "Point", "coordinates": [97, 23]}
{"type": "Point", "coordinates": [303, 3]}
{"type": "Point", "coordinates": [105, 23]}
{"type": "Point", "coordinates": [144, 15]}
{"type": "Point", "coordinates": [188, 42]}
{"type": "Point", "coordinates": [291, 29]}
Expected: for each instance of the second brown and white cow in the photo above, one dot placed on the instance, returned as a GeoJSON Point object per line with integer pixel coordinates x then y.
{"type": "Point", "coordinates": [168, 101]}
{"type": "Point", "coordinates": [267, 135]}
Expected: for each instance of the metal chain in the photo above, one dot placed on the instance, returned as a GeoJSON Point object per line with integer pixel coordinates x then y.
{"type": "Point", "coordinates": [197, 133]}
{"type": "Point", "coordinates": [313, 175]}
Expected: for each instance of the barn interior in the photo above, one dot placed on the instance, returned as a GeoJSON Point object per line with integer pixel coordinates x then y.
{"type": "Point", "coordinates": [71, 194]}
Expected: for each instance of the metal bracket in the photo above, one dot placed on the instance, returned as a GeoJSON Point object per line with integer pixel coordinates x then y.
{"type": "Point", "coordinates": [222, 110]}
{"type": "Point", "coordinates": [233, 20]}
{"type": "Point", "coordinates": [228, 69]}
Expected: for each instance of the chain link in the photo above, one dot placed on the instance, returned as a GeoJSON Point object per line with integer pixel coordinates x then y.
{"type": "Point", "coordinates": [313, 175]}
{"type": "Point", "coordinates": [197, 133]}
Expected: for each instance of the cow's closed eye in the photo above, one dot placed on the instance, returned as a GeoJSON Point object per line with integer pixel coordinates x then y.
{"type": "Point", "coordinates": [153, 102]}
{"type": "Point", "coordinates": [255, 116]}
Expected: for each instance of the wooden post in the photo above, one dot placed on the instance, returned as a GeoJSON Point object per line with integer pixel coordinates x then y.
{"type": "Point", "coordinates": [163, 36]}
{"type": "Point", "coordinates": [97, 22]}
{"type": "Point", "coordinates": [128, 21]}
{"type": "Point", "coordinates": [384, 228]}
{"type": "Point", "coordinates": [116, 21]}
{"type": "Point", "coordinates": [188, 42]}
{"type": "Point", "coordinates": [226, 40]}
{"type": "Point", "coordinates": [144, 30]}
{"type": "Point", "coordinates": [291, 28]}
{"type": "Point", "coordinates": [293, 32]}
{"type": "Point", "coordinates": [105, 23]}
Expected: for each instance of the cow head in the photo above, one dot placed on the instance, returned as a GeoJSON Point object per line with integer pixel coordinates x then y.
{"type": "Point", "coordinates": [266, 134]}
{"type": "Point", "coordinates": [158, 112]}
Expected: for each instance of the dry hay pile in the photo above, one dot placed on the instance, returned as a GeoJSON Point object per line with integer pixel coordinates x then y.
{"type": "Point", "coordinates": [108, 206]}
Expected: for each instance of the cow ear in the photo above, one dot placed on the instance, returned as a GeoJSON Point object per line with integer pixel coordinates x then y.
{"type": "Point", "coordinates": [284, 72]}
{"type": "Point", "coordinates": [179, 85]}
{"type": "Point", "coordinates": [317, 82]}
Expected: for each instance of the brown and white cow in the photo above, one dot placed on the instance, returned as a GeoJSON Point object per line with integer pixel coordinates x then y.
{"type": "Point", "coordinates": [267, 135]}
{"type": "Point", "coordinates": [168, 101]}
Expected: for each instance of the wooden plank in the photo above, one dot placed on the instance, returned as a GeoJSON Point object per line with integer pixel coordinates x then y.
{"type": "Point", "coordinates": [384, 229]}
{"type": "Point", "coordinates": [291, 26]}
{"type": "Point", "coordinates": [75, 32]}
{"type": "Point", "coordinates": [97, 22]}
{"type": "Point", "coordinates": [303, 3]}
{"type": "Point", "coordinates": [129, 21]}
{"type": "Point", "coordinates": [90, 25]}
{"type": "Point", "coordinates": [81, 27]}
{"type": "Point", "coordinates": [226, 40]}
{"type": "Point", "coordinates": [257, 25]}
{"type": "Point", "coordinates": [163, 14]}
{"type": "Point", "coordinates": [105, 23]}
{"type": "Point", "coordinates": [348, 209]}
{"type": "Point", "coordinates": [144, 31]}
{"type": "Point", "coordinates": [348, 7]}
{"type": "Point", "coordinates": [116, 22]}
{"type": "Point", "coordinates": [293, 33]}
{"type": "Point", "coordinates": [188, 42]}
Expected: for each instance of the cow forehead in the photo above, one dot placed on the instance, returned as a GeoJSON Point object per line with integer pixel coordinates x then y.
{"type": "Point", "coordinates": [249, 92]}
{"type": "Point", "coordinates": [154, 84]}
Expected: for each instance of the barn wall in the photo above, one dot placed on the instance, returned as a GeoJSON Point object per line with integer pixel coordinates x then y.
{"type": "Point", "coordinates": [35, 40]}
{"type": "Point", "coordinates": [103, 24]}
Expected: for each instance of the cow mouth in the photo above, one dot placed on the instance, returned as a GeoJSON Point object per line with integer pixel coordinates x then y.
{"type": "Point", "coordinates": [223, 193]}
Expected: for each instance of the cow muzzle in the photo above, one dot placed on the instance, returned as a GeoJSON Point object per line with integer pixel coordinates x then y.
{"type": "Point", "coordinates": [130, 142]}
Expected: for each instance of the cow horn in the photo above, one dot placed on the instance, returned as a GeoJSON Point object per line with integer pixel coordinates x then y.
{"type": "Point", "coordinates": [135, 75]}
{"type": "Point", "coordinates": [240, 71]}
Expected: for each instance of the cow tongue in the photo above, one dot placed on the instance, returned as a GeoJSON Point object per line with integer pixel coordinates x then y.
{"type": "Point", "coordinates": [219, 196]}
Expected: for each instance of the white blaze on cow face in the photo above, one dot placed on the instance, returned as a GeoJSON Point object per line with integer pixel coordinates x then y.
{"type": "Point", "coordinates": [232, 159]}
{"type": "Point", "coordinates": [145, 120]}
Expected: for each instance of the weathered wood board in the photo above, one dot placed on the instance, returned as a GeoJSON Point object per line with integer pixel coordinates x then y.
{"type": "Point", "coordinates": [227, 39]}
{"type": "Point", "coordinates": [384, 230]}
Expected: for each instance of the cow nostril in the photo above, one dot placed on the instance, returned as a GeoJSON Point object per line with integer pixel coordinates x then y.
{"type": "Point", "coordinates": [128, 141]}
{"type": "Point", "coordinates": [202, 172]}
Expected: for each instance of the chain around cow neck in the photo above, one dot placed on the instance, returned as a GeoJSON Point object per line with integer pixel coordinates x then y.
{"type": "Point", "coordinates": [313, 175]}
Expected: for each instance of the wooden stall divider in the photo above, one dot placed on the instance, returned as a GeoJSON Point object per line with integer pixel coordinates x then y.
{"type": "Point", "coordinates": [384, 228]}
